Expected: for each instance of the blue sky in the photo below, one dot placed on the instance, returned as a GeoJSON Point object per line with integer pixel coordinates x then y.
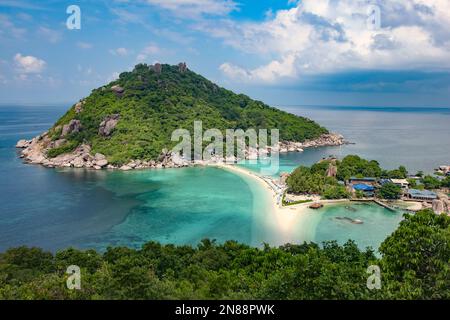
{"type": "Point", "coordinates": [309, 52]}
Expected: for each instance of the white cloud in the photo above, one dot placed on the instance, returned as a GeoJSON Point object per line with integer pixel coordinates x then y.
{"type": "Point", "coordinates": [331, 36]}
{"type": "Point", "coordinates": [9, 29]}
{"type": "Point", "coordinates": [119, 52]}
{"type": "Point", "coordinates": [28, 64]}
{"type": "Point", "coordinates": [149, 51]}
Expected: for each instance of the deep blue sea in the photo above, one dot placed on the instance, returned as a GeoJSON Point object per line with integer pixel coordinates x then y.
{"type": "Point", "coordinates": [58, 208]}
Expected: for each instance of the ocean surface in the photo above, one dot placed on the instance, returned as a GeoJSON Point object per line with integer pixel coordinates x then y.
{"type": "Point", "coordinates": [57, 208]}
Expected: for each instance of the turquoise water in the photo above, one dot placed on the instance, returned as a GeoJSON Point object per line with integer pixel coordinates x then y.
{"type": "Point", "coordinates": [378, 223]}
{"type": "Point", "coordinates": [55, 209]}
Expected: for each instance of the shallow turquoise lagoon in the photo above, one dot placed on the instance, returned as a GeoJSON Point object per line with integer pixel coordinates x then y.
{"type": "Point", "coordinates": [55, 209]}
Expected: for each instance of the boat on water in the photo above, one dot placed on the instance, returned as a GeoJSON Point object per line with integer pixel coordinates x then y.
{"type": "Point", "coordinates": [316, 206]}
{"type": "Point", "coordinates": [354, 221]}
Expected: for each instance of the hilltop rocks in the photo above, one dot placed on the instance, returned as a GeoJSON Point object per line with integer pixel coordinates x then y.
{"type": "Point", "coordinates": [182, 67]}
{"type": "Point", "coordinates": [74, 126]}
{"type": "Point", "coordinates": [108, 125]}
{"type": "Point", "coordinates": [157, 68]}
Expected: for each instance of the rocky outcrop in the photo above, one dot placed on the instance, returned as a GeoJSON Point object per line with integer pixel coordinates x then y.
{"type": "Point", "coordinates": [157, 68]}
{"type": "Point", "coordinates": [442, 197]}
{"type": "Point", "coordinates": [182, 67]}
{"type": "Point", "coordinates": [79, 107]}
{"type": "Point", "coordinates": [438, 206]}
{"type": "Point", "coordinates": [332, 170]}
{"type": "Point", "coordinates": [35, 152]}
{"type": "Point", "coordinates": [23, 144]}
{"type": "Point", "coordinates": [118, 90]}
{"type": "Point", "coordinates": [325, 140]}
{"type": "Point", "coordinates": [74, 126]}
{"type": "Point", "coordinates": [108, 125]}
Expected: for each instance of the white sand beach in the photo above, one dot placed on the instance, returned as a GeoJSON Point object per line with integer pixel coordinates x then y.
{"type": "Point", "coordinates": [285, 221]}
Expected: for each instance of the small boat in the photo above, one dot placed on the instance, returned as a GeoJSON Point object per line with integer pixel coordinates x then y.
{"type": "Point", "coordinates": [316, 206]}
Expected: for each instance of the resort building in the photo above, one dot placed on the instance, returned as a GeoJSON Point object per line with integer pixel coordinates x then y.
{"type": "Point", "coordinates": [402, 183]}
{"type": "Point", "coordinates": [368, 181]}
{"type": "Point", "coordinates": [421, 195]}
{"type": "Point", "coordinates": [369, 191]}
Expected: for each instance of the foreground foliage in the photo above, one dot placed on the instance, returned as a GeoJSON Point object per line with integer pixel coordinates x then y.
{"type": "Point", "coordinates": [414, 265]}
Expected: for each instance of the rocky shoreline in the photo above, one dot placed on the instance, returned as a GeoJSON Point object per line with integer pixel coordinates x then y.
{"type": "Point", "coordinates": [34, 151]}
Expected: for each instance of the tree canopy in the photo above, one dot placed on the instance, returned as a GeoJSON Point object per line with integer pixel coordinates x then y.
{"type": "Point", "coordinates": [414, 263]}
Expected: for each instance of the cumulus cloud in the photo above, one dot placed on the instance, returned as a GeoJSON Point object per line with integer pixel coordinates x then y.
{"type": "Point", "coordinates": [119, 52]}
{"type": "Point", "coordinates": [28, 64]}
{"type": "Point", "coordinates": [331, 36]}
{"type": "Point", "coordinates": [149, 51]}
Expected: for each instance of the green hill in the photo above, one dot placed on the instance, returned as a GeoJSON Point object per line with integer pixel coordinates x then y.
{"type": "Point", "coordinates": [134, 116]}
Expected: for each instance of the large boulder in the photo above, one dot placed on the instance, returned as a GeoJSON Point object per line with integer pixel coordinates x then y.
{"type": "Point", "coordinates": [118, 90]}
{"type": "Point", "coordinates": [108, 125]}
{"type": "Point", "coordinates": [22, 144]}
{"type": "Point", "coordinates": [438, 206]}
{"type": "Point", "coordinates": [331, 171]}
{"type": "Point", "coordinates": [101, 163]}
{"type": "Point", "coordinates": [79, 107]}
{"type": "Point", "coordinates": [74, 126]}
{"type": "Point", "coordinates": [78, 162]}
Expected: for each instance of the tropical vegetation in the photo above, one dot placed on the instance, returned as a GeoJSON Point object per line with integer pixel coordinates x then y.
{"type": "Point", "coordinates": [414, 264]}
{"type": "Point", "coordinates": [153, 103]}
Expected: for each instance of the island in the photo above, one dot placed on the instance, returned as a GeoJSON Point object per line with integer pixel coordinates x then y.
{"type": "Point", "coordinates": [127, 124]}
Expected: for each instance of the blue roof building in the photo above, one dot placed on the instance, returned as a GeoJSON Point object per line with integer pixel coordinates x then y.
{"type": "Point", "coordinates": [363, 187]}
{"type": "Point", "coordinates": [425, 195]}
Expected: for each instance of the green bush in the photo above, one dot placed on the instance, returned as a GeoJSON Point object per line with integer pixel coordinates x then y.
{"type": "Point", "coordinates": [67, 147]}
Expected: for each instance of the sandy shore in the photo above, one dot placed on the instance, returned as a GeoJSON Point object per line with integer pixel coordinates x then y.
{"type": "Point", "coordinates": [286, 218]}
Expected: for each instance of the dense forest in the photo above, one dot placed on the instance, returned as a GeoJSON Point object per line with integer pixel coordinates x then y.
{"type": "Point", "coordinates": [414, 264]}
{"type": "Point", "coordinates": [146, 105]}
